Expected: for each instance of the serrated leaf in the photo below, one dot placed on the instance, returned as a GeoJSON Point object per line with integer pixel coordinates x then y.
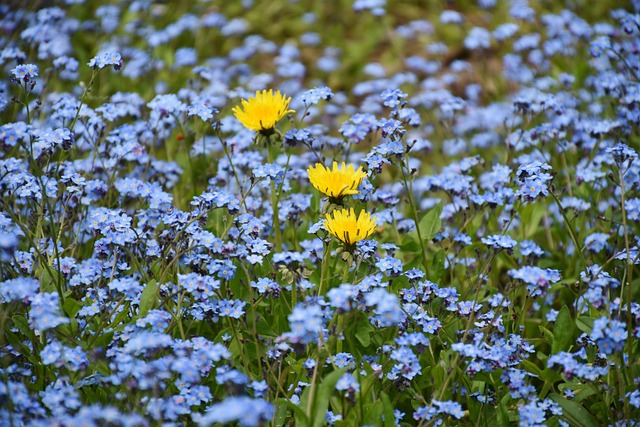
{"type": "Point", "coordinates": [430, 223]}
{"type": "Point", "coordinates": [563, 331]}
{"type": "Point", "coordinates": [573, 412]}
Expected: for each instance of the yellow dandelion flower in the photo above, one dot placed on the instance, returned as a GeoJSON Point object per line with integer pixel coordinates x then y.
{"type": "Point", "coordinates": [338, 181]}
{"type": "Point", "coordinates": [262, 112]}
{"type": "Point", "coordinates": [349, 229]}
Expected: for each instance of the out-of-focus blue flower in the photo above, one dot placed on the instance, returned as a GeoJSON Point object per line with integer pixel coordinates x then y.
{"type": "Point", "coordinates": [609, 334]}
{"type": "Point", "coordinates": [377, 7]}
{"type": "Point", "coordinates": [313, 96]}
{"type": "Point", "coordinates": [45, 312]}
{"type": "Point", "coordinates": [105, 59]}
{"type": "Point", "coordinates": [348, 382]}
{"type": "Point", "coordinates": [248, 412]}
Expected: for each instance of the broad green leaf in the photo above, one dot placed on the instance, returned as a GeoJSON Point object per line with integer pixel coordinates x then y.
{"type": "Point", "coordinates": [430, 223]}
{"type": "Point", "coordinates": [531, 367]}
{"type": "Point", "coordinates": [410, 245]}
{"type": "Point", "coordinates": [503, 410]}
{"type": "Point", "coordinates": [585, 324]}
{"type": "Point", "coordinates": [17, 344]}
{"type": "Point", "coordinates": [547, 333]}
{"type": "Point", "coordinates": [563, 331]}
{"type": "Point", "coordinates": [573, 412]}
{"type": "Point", "coordinates": [363, 333]}
{"type": "Point", "coordinates": [71, 307]}
{"type": "Point", "coordinates": [22, 324]}
{"type": "Point", "coordinates": [264, 328]}
{"type": "Point", "coordinates": [104, 340]}
{"type": "Point", "coordinates": [281, 413]}
{"type": "Point", "coordinates": [550, 375]}
{"type": "Point", "coordinates": [389, 418]}
{"type": "Point", "coordinates": [583, 394]}
{"type": "Point", "coordinates": [373, 412]}
{"type": "Point", "coordinates": [323, 394]}
{"type": "Point", "coordinates": [148, 298]}
{"type": "Point", "coordinates": [531, 218]}
{"type": "Point", "coordinates": [437, 266]}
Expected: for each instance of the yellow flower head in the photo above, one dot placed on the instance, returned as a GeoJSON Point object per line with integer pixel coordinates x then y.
{"type": "Point", "coordinates": [262, 112]}
{"type": "Point", "coordinates": [349, 229]}
{"type": "Point", "coordinates": [336, 182]}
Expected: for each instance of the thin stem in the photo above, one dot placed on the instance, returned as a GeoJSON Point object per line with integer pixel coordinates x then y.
{"type": "Point", "coordinates": [275, 195]}
{"type": "Point", "coordinates": [94, 73]}
{"type": "Point", "coordinates": [414, 211]}
{"type": "Point", "coordinates": [627, 247]}
{"type": "Point", "coordinates": [325, 266]}
{"type": "Point", "coordinates": [572, 232]}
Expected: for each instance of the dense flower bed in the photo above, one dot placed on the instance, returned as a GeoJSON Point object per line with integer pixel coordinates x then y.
{"type": "Point", "coordinates": [299, 212]}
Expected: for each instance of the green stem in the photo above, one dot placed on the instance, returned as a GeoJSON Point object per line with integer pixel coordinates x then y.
{"type": "Point", "coordinates": [629, 261]}
{"type": "Point", "coordinates": [472, 317]}
{"type": "Point", "coordinates": [275, 195]}
{"type": "Point", "coordinates": [94, 73]}
{"type": "Point", "coordinates": [345, 274]}
{"type": "Point", "coordinates": [572, 232]}
{"type": "Point", "coordinates": [414, 212]}
{"type": "Point", "coordinates": [325, 266]}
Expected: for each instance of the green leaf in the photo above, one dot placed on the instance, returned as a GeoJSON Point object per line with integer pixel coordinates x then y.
{"type": "Point", "coordinates": [437, 267]}
{"type": "Point", "coordinates": [264, 328]}
{"type": "Point", "coordinates": [17, 344]}
{"type": "Point", "coordinates": [531, 367]}
{"type": "Point", "coordinates": [585, 324]}
{"type": "Point", "coordinates": [298, 413]}
{"type": "Point", "coordinates": [547, 333]}
{"type": "Point", "coordinates": [71, 307]}
{"type": "Point", "coordinates": [373, 412]}
{"type": "Point", "coordinates": [531, 218]}
{"type": "Point", "coordinates": [22, 324]}
{"type": "Point", "coordinates": [583, 394]}
{"type": "Point", "coordinates": [563, 331]}
{"type": "Point", "coordinates": [430, 223]}
{"type": "Point", "coordinates": [389, 418]}
{"type": "Point", "coordinates": [503, 410]}
{"type": "Point", "coordinates": [410, 245]}
{"type": "Point", "coordinates": [550, 376]}
{"type": "Point", "coordinates": [323, 394]}
{"type": "Point", "coordinates": [573, 412]}
{"type": "Point", "coordinates": [281, 414]}
{"type": "Point", "coordinates": [363, 333]}
{"type": "Point", "coordinates": [104, 340]}
{"type": "Point", "coordinates": [148, 298]}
